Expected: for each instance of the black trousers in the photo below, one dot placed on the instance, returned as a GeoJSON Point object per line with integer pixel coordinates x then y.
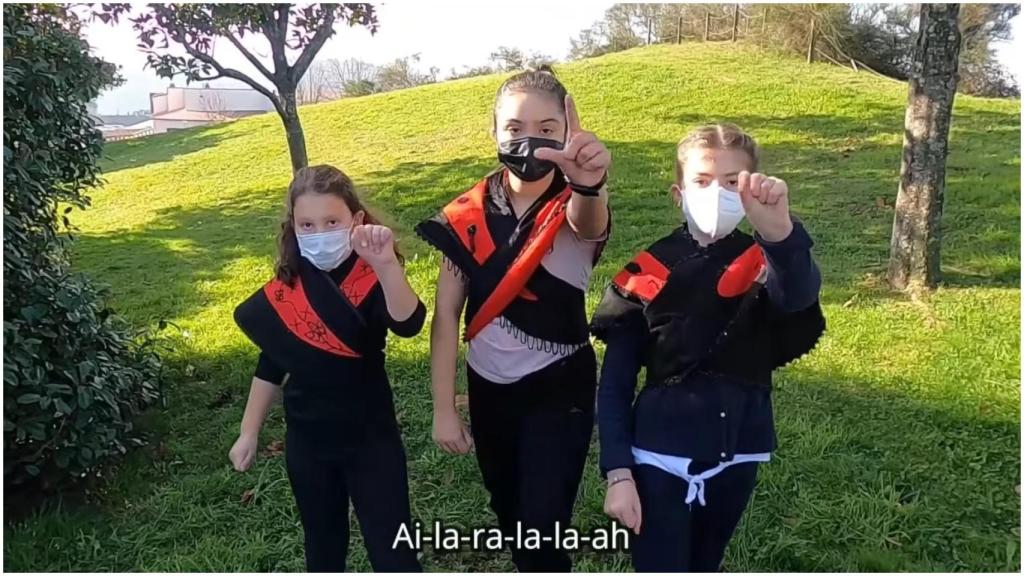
{"type": "Point", "coordinates": [679, 537]}
{"type": "Point", "coordinates": [371, 473]}
{"type": "Point", "coordinates": [531, 439]}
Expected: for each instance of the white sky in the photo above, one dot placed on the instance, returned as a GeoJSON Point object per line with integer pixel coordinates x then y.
{"type": "Point", "coordinates": [445, 34]}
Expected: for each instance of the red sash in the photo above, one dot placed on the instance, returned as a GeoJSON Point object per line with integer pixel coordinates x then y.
{"type": "Point", "coordinates": [293, 307]}
{"type": "Point", "coordinates": [645, 275]}
{"type": "Point", "coordinates": [538, 243]}
{"type": "Point", "coordinates": [466, 218]}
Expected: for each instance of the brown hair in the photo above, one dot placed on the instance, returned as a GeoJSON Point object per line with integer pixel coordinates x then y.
{"type": "Point", "coordinates": [322, 179]}
{"type": "Point", "coordinates": [541, 80]}
{"type": "Point", "coordinates": [717, 136]}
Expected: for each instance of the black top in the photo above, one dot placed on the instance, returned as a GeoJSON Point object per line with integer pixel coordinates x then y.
{"type": "Point", "coordinates": [557, 311]}
{"type": "Point", "coordinates": [711, 417]}
{"type": "Point", "coordinates": [358, 395]}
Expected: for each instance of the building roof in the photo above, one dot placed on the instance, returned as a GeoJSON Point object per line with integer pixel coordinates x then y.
{"type": "Point", "coordinates": [203, 115]}
{"type": "Point", "coordinates": [121, 119]}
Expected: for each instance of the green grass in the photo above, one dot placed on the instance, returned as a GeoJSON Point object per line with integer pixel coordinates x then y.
{"type": "Point", "coordinates": [899, 437]}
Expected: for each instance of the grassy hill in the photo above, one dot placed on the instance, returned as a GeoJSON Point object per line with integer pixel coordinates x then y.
{"type": "Point", "coordinates": [899, 437]}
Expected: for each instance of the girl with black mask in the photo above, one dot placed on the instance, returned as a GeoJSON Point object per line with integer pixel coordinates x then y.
{"type": "Point", "coordinates": [518, 250]}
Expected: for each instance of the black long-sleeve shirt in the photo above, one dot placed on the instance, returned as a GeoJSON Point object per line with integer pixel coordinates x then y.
{"type": "Point", "coordinates": [712, 417]}
{"type": "Point", "coordinates": [360, 395]}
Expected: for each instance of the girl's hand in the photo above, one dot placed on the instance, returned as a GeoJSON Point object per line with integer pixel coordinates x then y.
{"type": "Point", "coordinates": [375, 244]}
{"type": "Point", "coordinates": [623, 503]}
{"type": "Point", "coordinates": [584, 159]}
{"type": "Point", "coordinates": [451, 433]}
{"type": "Point", "coordinates": [766, 202]}
{"type": "Point", "coordinates": [243, 452]}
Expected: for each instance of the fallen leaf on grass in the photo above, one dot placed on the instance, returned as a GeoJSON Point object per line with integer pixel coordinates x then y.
{"type": "Point", "coordinates": [248, 496]}
{"type": "Point", "coordinates": [275, 448]}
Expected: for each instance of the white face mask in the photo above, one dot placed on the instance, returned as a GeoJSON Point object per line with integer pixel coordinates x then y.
{"type": "Point", "coordinates": [326, 250]}
{"type": "Point", "coordinates": [713, 211]}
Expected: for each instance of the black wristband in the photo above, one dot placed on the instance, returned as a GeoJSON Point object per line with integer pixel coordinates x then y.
{"type": "Point", "coordinates": [589, 191]}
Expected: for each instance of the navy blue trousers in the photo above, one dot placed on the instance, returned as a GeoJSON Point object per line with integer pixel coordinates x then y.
{"type": "Point", "coordinates": [679, 537]}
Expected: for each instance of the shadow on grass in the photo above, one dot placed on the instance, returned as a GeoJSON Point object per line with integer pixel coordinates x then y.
{"type": "Point", "coordinates": [163, 147]}
{"type": "Point", "coordinates": [866, 478]}
{"type": "Point", "coordinates": [163, 268]}
{"type": "Point", "coordinates": [870, 478]}
{"type": "Point", "coordinates": [843, 176]}
{"type": "Point", "coordinates": [163, 271]}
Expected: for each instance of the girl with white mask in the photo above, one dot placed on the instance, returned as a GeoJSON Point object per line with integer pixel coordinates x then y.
{"type": "Point", "coordinates": [322, 321]}
{"type": "Point", "coordinates": [710, 311]}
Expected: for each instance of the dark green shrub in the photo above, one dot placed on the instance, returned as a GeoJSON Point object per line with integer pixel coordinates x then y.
{"type": "Point", "coordinates": [74, 375]}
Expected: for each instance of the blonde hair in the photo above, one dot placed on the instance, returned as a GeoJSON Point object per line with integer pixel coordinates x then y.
{"type": "Point", "coordinates": [720, 137]}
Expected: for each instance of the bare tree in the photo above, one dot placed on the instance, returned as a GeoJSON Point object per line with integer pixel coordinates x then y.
{"type": "Point", "coordinates": [317, 85]}
{"type": "Point", "coordinates": [353, 77]}
{"type": "Point", "coordinates": [916, 232]}
{"type": "Point", "coordinates": [214, 105]}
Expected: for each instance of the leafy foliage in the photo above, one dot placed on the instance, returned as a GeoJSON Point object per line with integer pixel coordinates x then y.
{"type": "Point", "coordinates": [164, 30]}
{"type": "Point", "coordinates": [880, 36]}
{"type": "Point", "coordinates": [399, 74]}
{"type": "Point", "coordinates": [74, 376]}
{"type": "Point", "coordinates": [508, 59]}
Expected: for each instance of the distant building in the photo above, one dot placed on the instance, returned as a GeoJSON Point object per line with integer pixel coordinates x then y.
{"type": "Point", "coordinates": [185, 107]}
{"type": "Point", "coordinates": [121, 126]}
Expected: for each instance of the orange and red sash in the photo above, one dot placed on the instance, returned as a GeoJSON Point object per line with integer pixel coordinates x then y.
{"type": "Point", "coordinates": [645, 275]}
{"type": "Point", "coordinates": [292, 305]}
{"type": "Point", "coordinates": [467, 218]}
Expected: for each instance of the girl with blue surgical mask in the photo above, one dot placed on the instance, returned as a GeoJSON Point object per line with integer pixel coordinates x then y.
{"type": "Point", "coordinates": [322, 322]}
{"type": "Point", "coordinates": [710, 311]}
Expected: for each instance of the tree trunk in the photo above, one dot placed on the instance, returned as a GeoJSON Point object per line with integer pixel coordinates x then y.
{"type": "Point", "coordinates": [916, 231]}
{"type": "Point", "coordinates": [764, 27]}
{"type": "Point", "coordinates": [679, 29]}
{"type": "Point", "coordinates": [814, 37]}
{"type": "Point", "coordinates": [735, 21]}
{"type": "Point", "coordinates": [293, 130]}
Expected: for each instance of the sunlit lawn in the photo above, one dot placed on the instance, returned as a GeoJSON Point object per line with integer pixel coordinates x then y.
{"type": "Point", "coordinates": [899, 437]}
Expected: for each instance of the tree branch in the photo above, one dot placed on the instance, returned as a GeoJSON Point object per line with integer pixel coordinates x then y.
{"type": "Point", "coordinates": [271, 28]}
{"type": "Point", "coordinates": [323, 32]}
{"type": "Point", "coordinates": [249, 56]}
{"type": "Point", "coordinates": [232, 73]}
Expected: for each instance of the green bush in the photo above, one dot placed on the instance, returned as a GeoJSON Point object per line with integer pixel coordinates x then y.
{"type": "Point", "coordinates": [74, 374]}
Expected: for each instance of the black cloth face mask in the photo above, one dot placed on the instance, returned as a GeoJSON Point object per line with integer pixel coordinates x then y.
{"type": "Point", "coordinates": [518, 156]}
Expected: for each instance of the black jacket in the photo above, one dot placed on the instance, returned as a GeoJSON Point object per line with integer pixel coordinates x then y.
{"type": "Point", "coordinates": [709, 358]}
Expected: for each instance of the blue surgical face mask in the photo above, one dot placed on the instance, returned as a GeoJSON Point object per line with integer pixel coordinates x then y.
{"type": "Point", "coordinates": [326, 250]}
